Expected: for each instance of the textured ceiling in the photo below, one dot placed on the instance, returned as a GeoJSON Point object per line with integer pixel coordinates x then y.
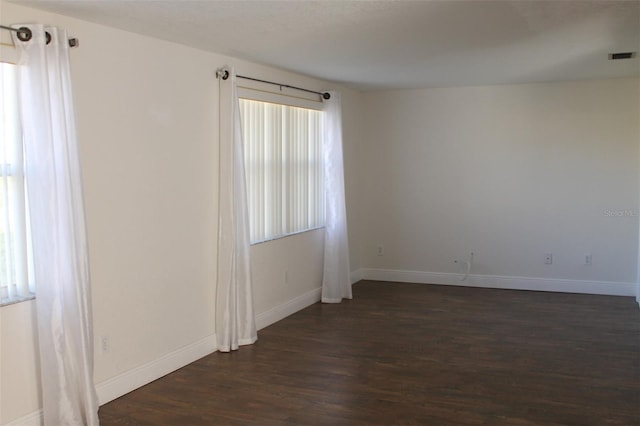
{"type": "Point", "coordinates": [393, 44]}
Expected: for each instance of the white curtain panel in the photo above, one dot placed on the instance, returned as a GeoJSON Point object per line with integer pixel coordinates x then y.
{"type": "Point", "coordinates": [60, 255]}
{"type": "Point", "coordinates": [336, 281]}
{"type": "Point", "coordinates": [235, 317]}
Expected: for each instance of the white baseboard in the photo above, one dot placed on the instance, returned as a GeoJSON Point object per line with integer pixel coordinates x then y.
{"type": "Point", "coordinates": [144, 374]}
{"type": "Point", "coordinates": [611, 288]}
{"type": "Point", "coordinates": [292, 306]}
{"type": "Point", "coordinates": [356, 276]}
{"type": "Point", "coordinates": [137, 377]}
{"type": "Point", "coordinates": [32, 419]}
{"type": "Point", "coordinates": [133, 379]}
{"type": "Point", "coordinates": [283, 310]}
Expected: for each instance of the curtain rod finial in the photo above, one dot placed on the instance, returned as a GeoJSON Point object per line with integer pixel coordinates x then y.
{"type": "Point", "coordinates": [222, 73]}
{"type": "Point", "coordinates": [326, 95]}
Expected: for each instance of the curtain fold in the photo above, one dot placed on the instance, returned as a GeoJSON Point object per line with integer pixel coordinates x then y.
{"type": "Point", "coordinates": [336, 279]}
{"type": "Point", "coordinates": [57, 224]}
{"type": "Point", "coordinates": [235, 317]}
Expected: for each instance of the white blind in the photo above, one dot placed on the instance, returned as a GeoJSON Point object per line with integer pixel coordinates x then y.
{"type": "Point", "coordinates": [283, 162]}
{"type": "Point", "coordinates": [14, 282]}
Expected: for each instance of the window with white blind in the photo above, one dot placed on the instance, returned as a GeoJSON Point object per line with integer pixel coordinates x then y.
{"type": "Point", "coordinates": [283, 162]}
{"type": "Point", "coordinates": [14, 247]}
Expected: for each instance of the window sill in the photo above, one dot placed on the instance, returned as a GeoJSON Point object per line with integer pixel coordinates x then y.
{"type": "Point", "coordinates": [13, 301]}
{"type": "Point", "coordinates": [253, 243]}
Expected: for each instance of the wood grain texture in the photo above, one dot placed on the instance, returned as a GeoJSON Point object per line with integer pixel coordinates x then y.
{"type": "Point", "coordinates": [416, 354]}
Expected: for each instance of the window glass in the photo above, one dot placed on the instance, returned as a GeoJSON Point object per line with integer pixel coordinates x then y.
{"type": "Point", "coordinates": [283, 162]}
{"type": "Point", "coordinates": [14, 264]}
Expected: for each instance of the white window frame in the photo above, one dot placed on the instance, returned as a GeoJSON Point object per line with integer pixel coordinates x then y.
{"type": "Point", "coordinates": [257, 94]}
{"type": "Point", "coordinates": [16, 267]}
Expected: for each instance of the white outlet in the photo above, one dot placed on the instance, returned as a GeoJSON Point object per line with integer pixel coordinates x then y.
{"type": "Point", "coordinates": [105, 345]}
{"type": "Point", "coordinates": [380, 250]}
{"type": "Point", "coordinates": [548, 258]}
{"type": "Point", "coordinates": [286, 276]}
{"type": "Point", "coordinates": [587, 259]}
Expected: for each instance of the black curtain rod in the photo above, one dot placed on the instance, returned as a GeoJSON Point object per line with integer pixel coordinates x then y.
{"type": "Point", "coordinates": [25, 34]}
{"type": "Point", "coordinates": [224, 74]}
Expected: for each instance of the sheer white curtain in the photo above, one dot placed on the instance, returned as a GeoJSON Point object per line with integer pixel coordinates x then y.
{"type": "Point", "coordinates": [336, 280]}
{"type": "Point", "coordinates": [235, 317]}
{"type": "Point", "coordinates": [60, 255]}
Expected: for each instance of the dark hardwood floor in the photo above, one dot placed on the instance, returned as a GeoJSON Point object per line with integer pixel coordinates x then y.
{"type": "Point", "coordinates": [416, 354]}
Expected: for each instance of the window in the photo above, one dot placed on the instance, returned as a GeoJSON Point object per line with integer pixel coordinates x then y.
{"type": "Point", "coordinates": [284, 168]}
{"type": "Point", "coordinates": [14, 265]}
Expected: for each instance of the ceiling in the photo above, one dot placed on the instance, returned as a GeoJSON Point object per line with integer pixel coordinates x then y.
{"type": "Point", "coordinates": [393, 44]}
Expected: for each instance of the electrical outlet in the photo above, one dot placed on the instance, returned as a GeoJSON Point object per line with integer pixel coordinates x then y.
{"type": "Point", "coordinates": [105, 344]}
{"type": "Point", "coordinates": [587, 259]}
{"type": "Point", "coordinates": [286, 276]}
{"type": "Point", "coordinates": [380, 250]}
{"type": "Point", "coordinates": [548, 258]}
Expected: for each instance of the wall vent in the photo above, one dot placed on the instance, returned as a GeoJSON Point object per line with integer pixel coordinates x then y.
{"type": "Point", "coordinates": [621, 55]}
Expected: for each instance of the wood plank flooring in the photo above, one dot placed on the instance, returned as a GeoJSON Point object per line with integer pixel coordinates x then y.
{"type": "Point", "coordinates": [416, 354]}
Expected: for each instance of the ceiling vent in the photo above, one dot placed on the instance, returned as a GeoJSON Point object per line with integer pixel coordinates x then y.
{"type": "Point", "coordinates": [621, 55]}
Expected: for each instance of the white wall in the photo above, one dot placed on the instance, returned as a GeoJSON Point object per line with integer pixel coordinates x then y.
{"type": "Point", "coordinates": [508, 173]}
{"type": "Point", "coordinates": [19, 373]}
{"type": "Point", "coordinates": [147, 117]}
{"type": "Point", "coordinates": [353, 129]}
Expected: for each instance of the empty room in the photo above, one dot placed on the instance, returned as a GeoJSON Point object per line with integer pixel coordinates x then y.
{"type": "Point", "coordinates": [319, 212]}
